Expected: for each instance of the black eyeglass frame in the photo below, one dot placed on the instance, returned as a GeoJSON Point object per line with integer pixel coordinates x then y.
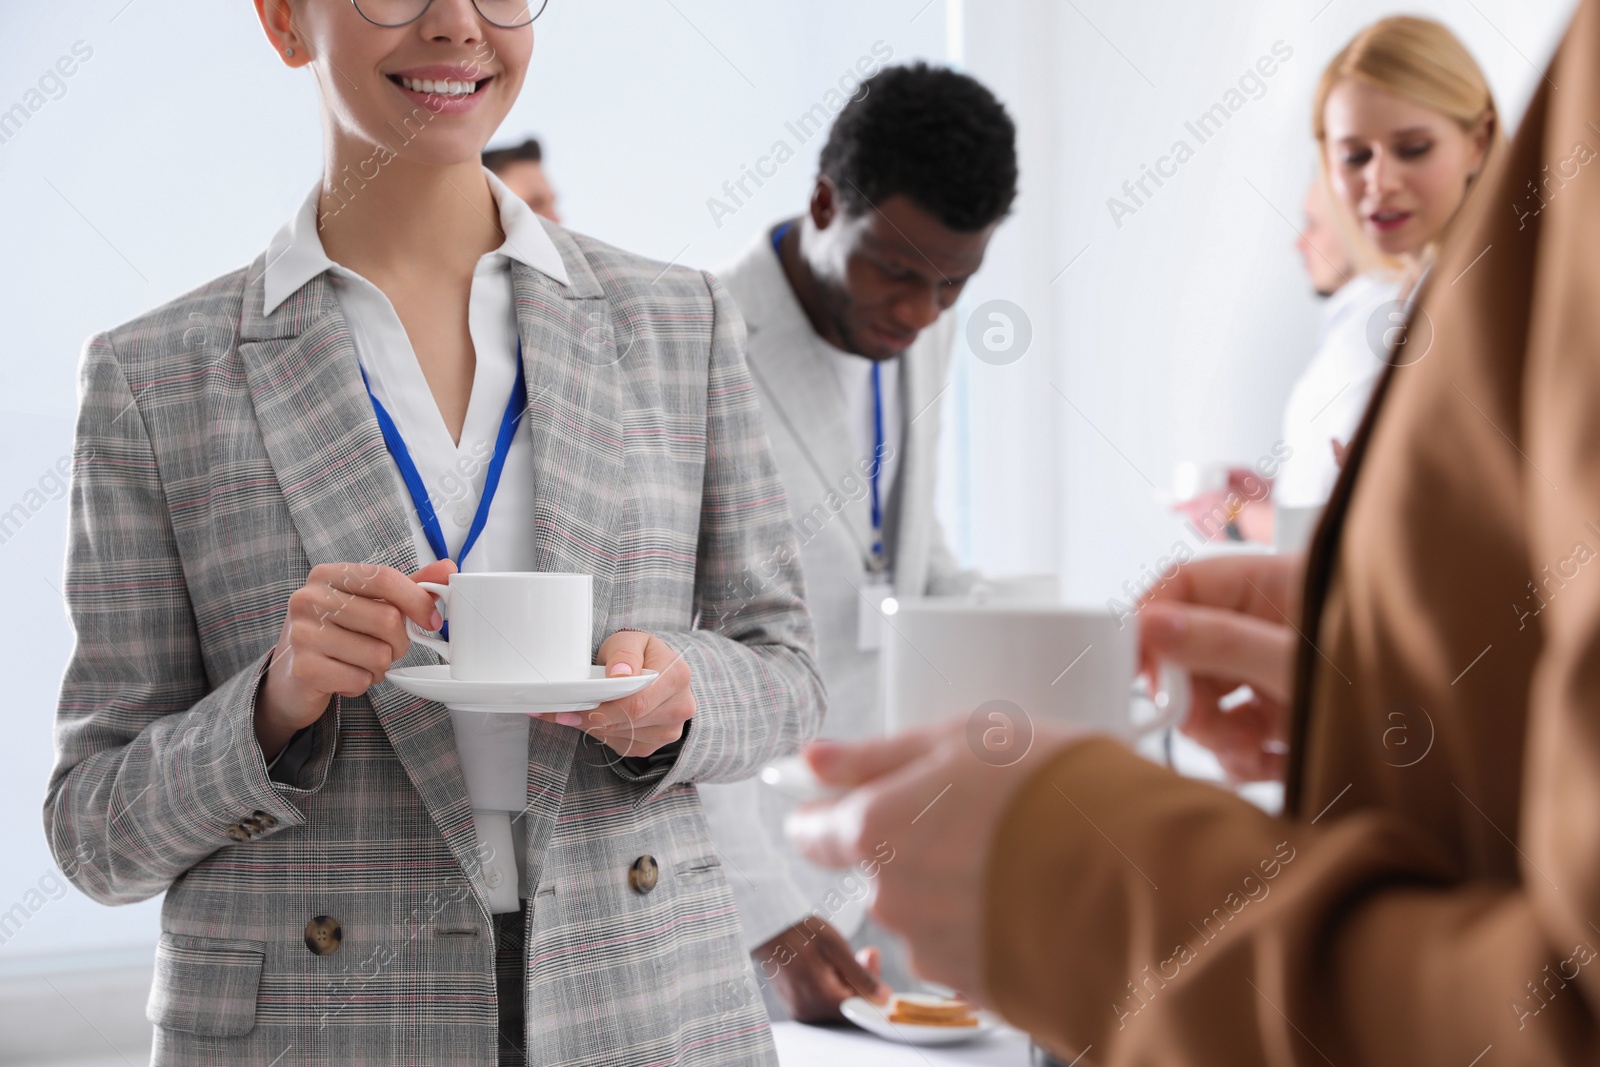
{"type": "Point", "coordinates": [429, 3]}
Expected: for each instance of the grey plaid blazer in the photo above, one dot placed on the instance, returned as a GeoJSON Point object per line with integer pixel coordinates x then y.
{"type": "Point", "coordinates": [221, 454]}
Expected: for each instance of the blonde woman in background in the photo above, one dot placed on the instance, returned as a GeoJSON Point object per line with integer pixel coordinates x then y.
{"type": "Point", "coordinates": [1404, 121]}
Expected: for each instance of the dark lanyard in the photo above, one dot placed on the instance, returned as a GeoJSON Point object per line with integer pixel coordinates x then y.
{"type": "Point", "coordinates": [419, 492]}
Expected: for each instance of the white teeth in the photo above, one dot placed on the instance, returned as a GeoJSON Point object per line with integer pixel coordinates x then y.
{"type": "Point", "coordinates": [439, 88]}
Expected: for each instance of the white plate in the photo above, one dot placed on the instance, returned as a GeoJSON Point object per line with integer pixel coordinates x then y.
{"type": "Point", "coordinates": [433, 682]}
{"type": "Point", "coordinates": [875, 1020]}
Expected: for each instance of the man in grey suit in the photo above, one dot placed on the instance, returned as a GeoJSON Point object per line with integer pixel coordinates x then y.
{"type": "Point", "coordinates": [851, 334]}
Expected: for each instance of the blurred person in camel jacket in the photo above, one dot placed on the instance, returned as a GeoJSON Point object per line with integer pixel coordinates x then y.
{"type": "Point", "coordinates": [1431, 894]}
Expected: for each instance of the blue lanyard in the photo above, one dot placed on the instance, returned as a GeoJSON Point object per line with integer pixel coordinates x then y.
{"type": "Point", "coordinates": [777, 238]}
{"type": "Point", "coordinates": [419, 492]}
{"type": "Point", "coordinates": [877, 463]}
{"type": "Point", "coordinates": [877, 429]}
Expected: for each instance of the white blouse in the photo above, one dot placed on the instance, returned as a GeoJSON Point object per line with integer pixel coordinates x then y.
{"type": "Point", "coordinates": [1331, 394]}
{"type": "Point", "coordinates": [493, 748]}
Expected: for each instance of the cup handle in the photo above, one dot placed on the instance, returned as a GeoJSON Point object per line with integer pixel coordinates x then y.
{"type": "Point", "coordinates": [423, 637]}
{"type": "Point", "coordinates": [1172, 697]}
{"type": "Point", "coordinates": [1171, 700]}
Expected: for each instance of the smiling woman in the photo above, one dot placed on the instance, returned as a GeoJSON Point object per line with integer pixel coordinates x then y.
{"type": "Point", "coordinates": [350, 870]}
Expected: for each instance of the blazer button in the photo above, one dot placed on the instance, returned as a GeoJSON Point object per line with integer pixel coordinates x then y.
{"type": "Point", "coordinates": [644, 874]}
{"type": "Point", "coordinates": [237, 832]}
{"type": "Point", "coordinates": [263, 820]}
{"type": "Point", "coordinates": [324, 935]}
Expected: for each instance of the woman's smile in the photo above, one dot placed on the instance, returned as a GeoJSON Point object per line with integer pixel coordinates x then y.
{"type": "Point", "coordinates": [443, 89]}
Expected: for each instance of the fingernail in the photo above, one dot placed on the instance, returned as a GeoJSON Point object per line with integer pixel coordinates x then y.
{"type": "Point", "coordinates": [617, 670]}
{"type": "Point", "coordinates": [569, 718]}
{"type": "Point", "coordinates": [435, 620]}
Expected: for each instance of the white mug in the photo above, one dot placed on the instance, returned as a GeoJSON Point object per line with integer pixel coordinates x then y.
{"type": "Point", "coordinates": [514, 626]}
{"type": "Point", "coordinates": [945, 657]}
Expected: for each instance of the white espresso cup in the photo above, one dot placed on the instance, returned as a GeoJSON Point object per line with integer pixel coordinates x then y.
{"type": "Point", "coordinates": [514, 626]}
{"type": "Point", "coordinates": [948, 657]}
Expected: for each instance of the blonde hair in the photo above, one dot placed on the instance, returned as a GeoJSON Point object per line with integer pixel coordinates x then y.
{"type": "Point", "coordinates": [1418, 60]}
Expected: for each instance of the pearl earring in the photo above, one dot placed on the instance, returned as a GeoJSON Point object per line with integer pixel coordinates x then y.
{"type": "Point", "coordinates": [288, 51]}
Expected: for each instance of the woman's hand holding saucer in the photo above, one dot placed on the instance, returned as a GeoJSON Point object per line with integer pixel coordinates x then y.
{"type": "Point", "coordinates": [342, 631]}
{"type": "Point", "coordinates": [640, 724]}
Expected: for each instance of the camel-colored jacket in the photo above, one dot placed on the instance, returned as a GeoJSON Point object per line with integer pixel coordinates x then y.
{"type": "Point", "coordinates": [1432, 893]}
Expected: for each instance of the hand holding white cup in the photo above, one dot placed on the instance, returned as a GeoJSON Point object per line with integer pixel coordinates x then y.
{"type": "Point", "coordinates": [342, 631]}
{"type": "Point", "coordinates": [536, 626]}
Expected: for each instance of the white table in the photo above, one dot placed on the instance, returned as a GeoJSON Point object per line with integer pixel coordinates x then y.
{"type": "Point", "coordinates": [800, 1045]}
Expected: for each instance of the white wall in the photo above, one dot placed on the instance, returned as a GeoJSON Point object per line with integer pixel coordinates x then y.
{"type": "Point", "coordinates": [181, 145]}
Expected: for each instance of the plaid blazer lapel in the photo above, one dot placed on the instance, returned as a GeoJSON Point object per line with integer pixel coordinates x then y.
{"type": "Point", "coordinates": [575, 400]}
{"type": "Point", "coordinates": [575, 386]}
{"type": "Point", "coordinates": [332, 466]}
{"type": "Point", "coordinates": [787, 358]}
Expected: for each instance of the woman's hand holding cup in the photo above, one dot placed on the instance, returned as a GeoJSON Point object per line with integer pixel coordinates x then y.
{"type": "Point", "coordinates": [342, 631]}
{"type": "Point", "coordinates": [1227, 620]}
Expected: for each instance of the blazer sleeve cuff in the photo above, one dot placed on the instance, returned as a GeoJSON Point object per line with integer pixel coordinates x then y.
{"type": "Point", "coordinates": [654, 767]}
{"type": "Point", "coordinates": [752, 704]}
{"type": "Point", "coordinates": [231, 783]}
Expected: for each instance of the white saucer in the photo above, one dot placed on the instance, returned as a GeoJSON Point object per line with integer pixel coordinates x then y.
{"type": "Point", "coordinates": [875, 1020]}
{"type": "Point", "coordinates": [433, 682]}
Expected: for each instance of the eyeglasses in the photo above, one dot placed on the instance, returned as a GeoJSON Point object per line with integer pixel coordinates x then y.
{"type": "Point", "coordinates": [507, 14]}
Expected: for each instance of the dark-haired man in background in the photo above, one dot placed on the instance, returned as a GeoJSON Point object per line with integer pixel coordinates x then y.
{"type": "Point", "coordinates": [851, 334]}
{"type": "Point", "coordinates": [521, 167]}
